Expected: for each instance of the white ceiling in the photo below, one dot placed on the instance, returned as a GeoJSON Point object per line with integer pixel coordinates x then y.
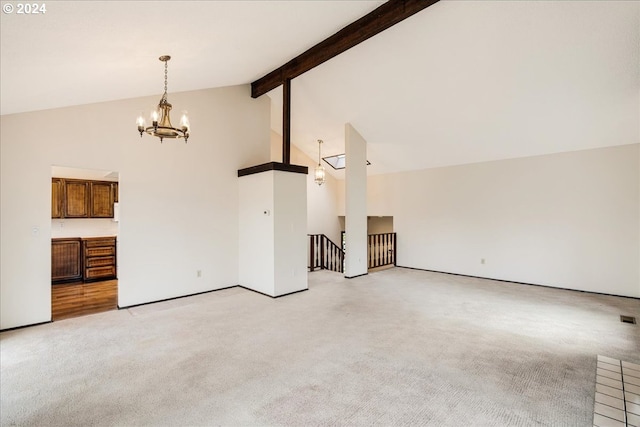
{"type": "Point", "coordinates": [460, 82]}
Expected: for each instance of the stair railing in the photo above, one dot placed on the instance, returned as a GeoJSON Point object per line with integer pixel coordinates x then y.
{"type": "Point", "coordinates": [324, 254]}
{"type": "Point", "coordinates": [381, 249]}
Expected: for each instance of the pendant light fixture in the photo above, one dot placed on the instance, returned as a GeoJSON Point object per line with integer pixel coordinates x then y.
{"type": "Point", "coordinates": [319, 176]}
{"type": "Point", "coordinates": [161, 122]}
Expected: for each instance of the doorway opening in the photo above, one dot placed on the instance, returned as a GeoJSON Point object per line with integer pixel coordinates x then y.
{"type": "Point", "coordinates": [84, 236]}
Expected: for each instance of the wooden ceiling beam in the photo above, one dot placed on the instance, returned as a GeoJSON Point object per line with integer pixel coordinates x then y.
{"type": "Point", "coordinates": [383, 17]}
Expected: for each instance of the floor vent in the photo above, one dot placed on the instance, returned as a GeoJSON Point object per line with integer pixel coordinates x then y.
{"type": "Point", "coordinates": [628, 319]}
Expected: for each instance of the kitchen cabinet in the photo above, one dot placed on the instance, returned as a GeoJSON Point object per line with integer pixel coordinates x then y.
{"type": "Point", "coordinates": [99, 258]}
{"type": "Point", "coordinates": [102, 194]}
{"type": "Point", "coordinates": [79, 198]}
{"type": "Point", "coordinates": [57, 198]}
{"type": "Point", "coordinates": [66, 259]}
{"type": "Point", "coordinates": [83, 259]}
{"type": "Point", "coordinates": [76, 198]}
{"type": "Point", "coordinates": [115, 192]}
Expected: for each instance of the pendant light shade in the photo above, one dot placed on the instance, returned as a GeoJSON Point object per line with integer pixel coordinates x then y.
{"type": "Point", "coordinates": [319, 174]}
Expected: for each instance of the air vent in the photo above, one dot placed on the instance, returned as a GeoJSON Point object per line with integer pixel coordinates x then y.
{"type": "Point", "coordinates": [628, 319]}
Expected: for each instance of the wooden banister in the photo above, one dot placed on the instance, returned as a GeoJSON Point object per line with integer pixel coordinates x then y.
{"type": "Point", "coordinates": [381, 249]}
{"type": "Point", "coordinates": [324, 254]}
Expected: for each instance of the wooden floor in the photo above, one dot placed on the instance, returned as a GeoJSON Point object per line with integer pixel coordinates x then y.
{"type": "Point", "coordinates": [79, 299]}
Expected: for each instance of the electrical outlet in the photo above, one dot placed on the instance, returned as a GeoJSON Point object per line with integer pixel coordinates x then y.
{"type": "Point", "coordinates": [199, 273]}
{"type": "Point", "coordinates": [482, 261]}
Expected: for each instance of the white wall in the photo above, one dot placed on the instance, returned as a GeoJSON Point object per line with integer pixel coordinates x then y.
{"type": "Point", "coordinates": [379, 224]}
{"type": "Point", "coordinates": [83, 227]}
{"type": "Point", "coordinates": [322, 200]}
{"type": "Point", "coordinates": [379, 187]}
{"type": "Point", "coordinates": [375, 224]}
{"type": "Point", "coordinates": [569, 220]}
{"type": "Point", "coordinates": [178, 202]}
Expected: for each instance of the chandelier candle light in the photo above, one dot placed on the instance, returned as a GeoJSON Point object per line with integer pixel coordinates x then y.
{"type": "Point", "coordinates": [161, 122]}
{"type": "Point", "coordinates": [319, 176]}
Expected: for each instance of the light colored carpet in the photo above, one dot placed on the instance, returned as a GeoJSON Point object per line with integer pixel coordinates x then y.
{"type": "Point", "coordinates": [396, 347]}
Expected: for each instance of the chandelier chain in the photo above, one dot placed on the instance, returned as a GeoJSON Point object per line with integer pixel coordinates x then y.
{"type": "Point", "coordinates": [166, 72]}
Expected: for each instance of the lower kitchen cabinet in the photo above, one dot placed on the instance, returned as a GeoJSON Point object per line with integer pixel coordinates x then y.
{"type": "Point", "coordinates": [99, 258]}
{"type": "Point", "coordinates": [66, 260]}
{"type": "Point", "coordinates": [87, 259]}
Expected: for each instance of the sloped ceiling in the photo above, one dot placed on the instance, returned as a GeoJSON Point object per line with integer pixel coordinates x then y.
{"type": "Point", "coordinates": [460, 82]}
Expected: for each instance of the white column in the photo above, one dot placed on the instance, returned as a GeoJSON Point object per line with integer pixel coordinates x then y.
{"type": "Point", "coordinates": [273, 227]}
{"type": "Point", "coordinates": [355, 203]}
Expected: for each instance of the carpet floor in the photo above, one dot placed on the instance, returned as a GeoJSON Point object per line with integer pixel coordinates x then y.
{"type": "Point", "coordinates": [395, 347]}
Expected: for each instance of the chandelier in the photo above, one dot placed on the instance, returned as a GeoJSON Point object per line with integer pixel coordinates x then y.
{"type": "Point", "coordinates": [319, 176]}
{"type": "Point", "coordinates": [161, 122]}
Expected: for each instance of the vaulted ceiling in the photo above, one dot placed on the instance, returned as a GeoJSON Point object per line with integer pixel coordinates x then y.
{"type": "Point", "coordinates": [460, 82]}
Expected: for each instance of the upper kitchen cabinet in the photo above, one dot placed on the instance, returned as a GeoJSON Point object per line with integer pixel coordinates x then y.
{"type": "Point", "coordinates": [102, 198]}
{"type": "Point", "coordinates": [76, 203]}
{"type": "Point", "coordinates": [79, 198]}
{"type": "Point", "coordinates": [57, 198]}
{"type": "Point", "coordinates": [115, 192]}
